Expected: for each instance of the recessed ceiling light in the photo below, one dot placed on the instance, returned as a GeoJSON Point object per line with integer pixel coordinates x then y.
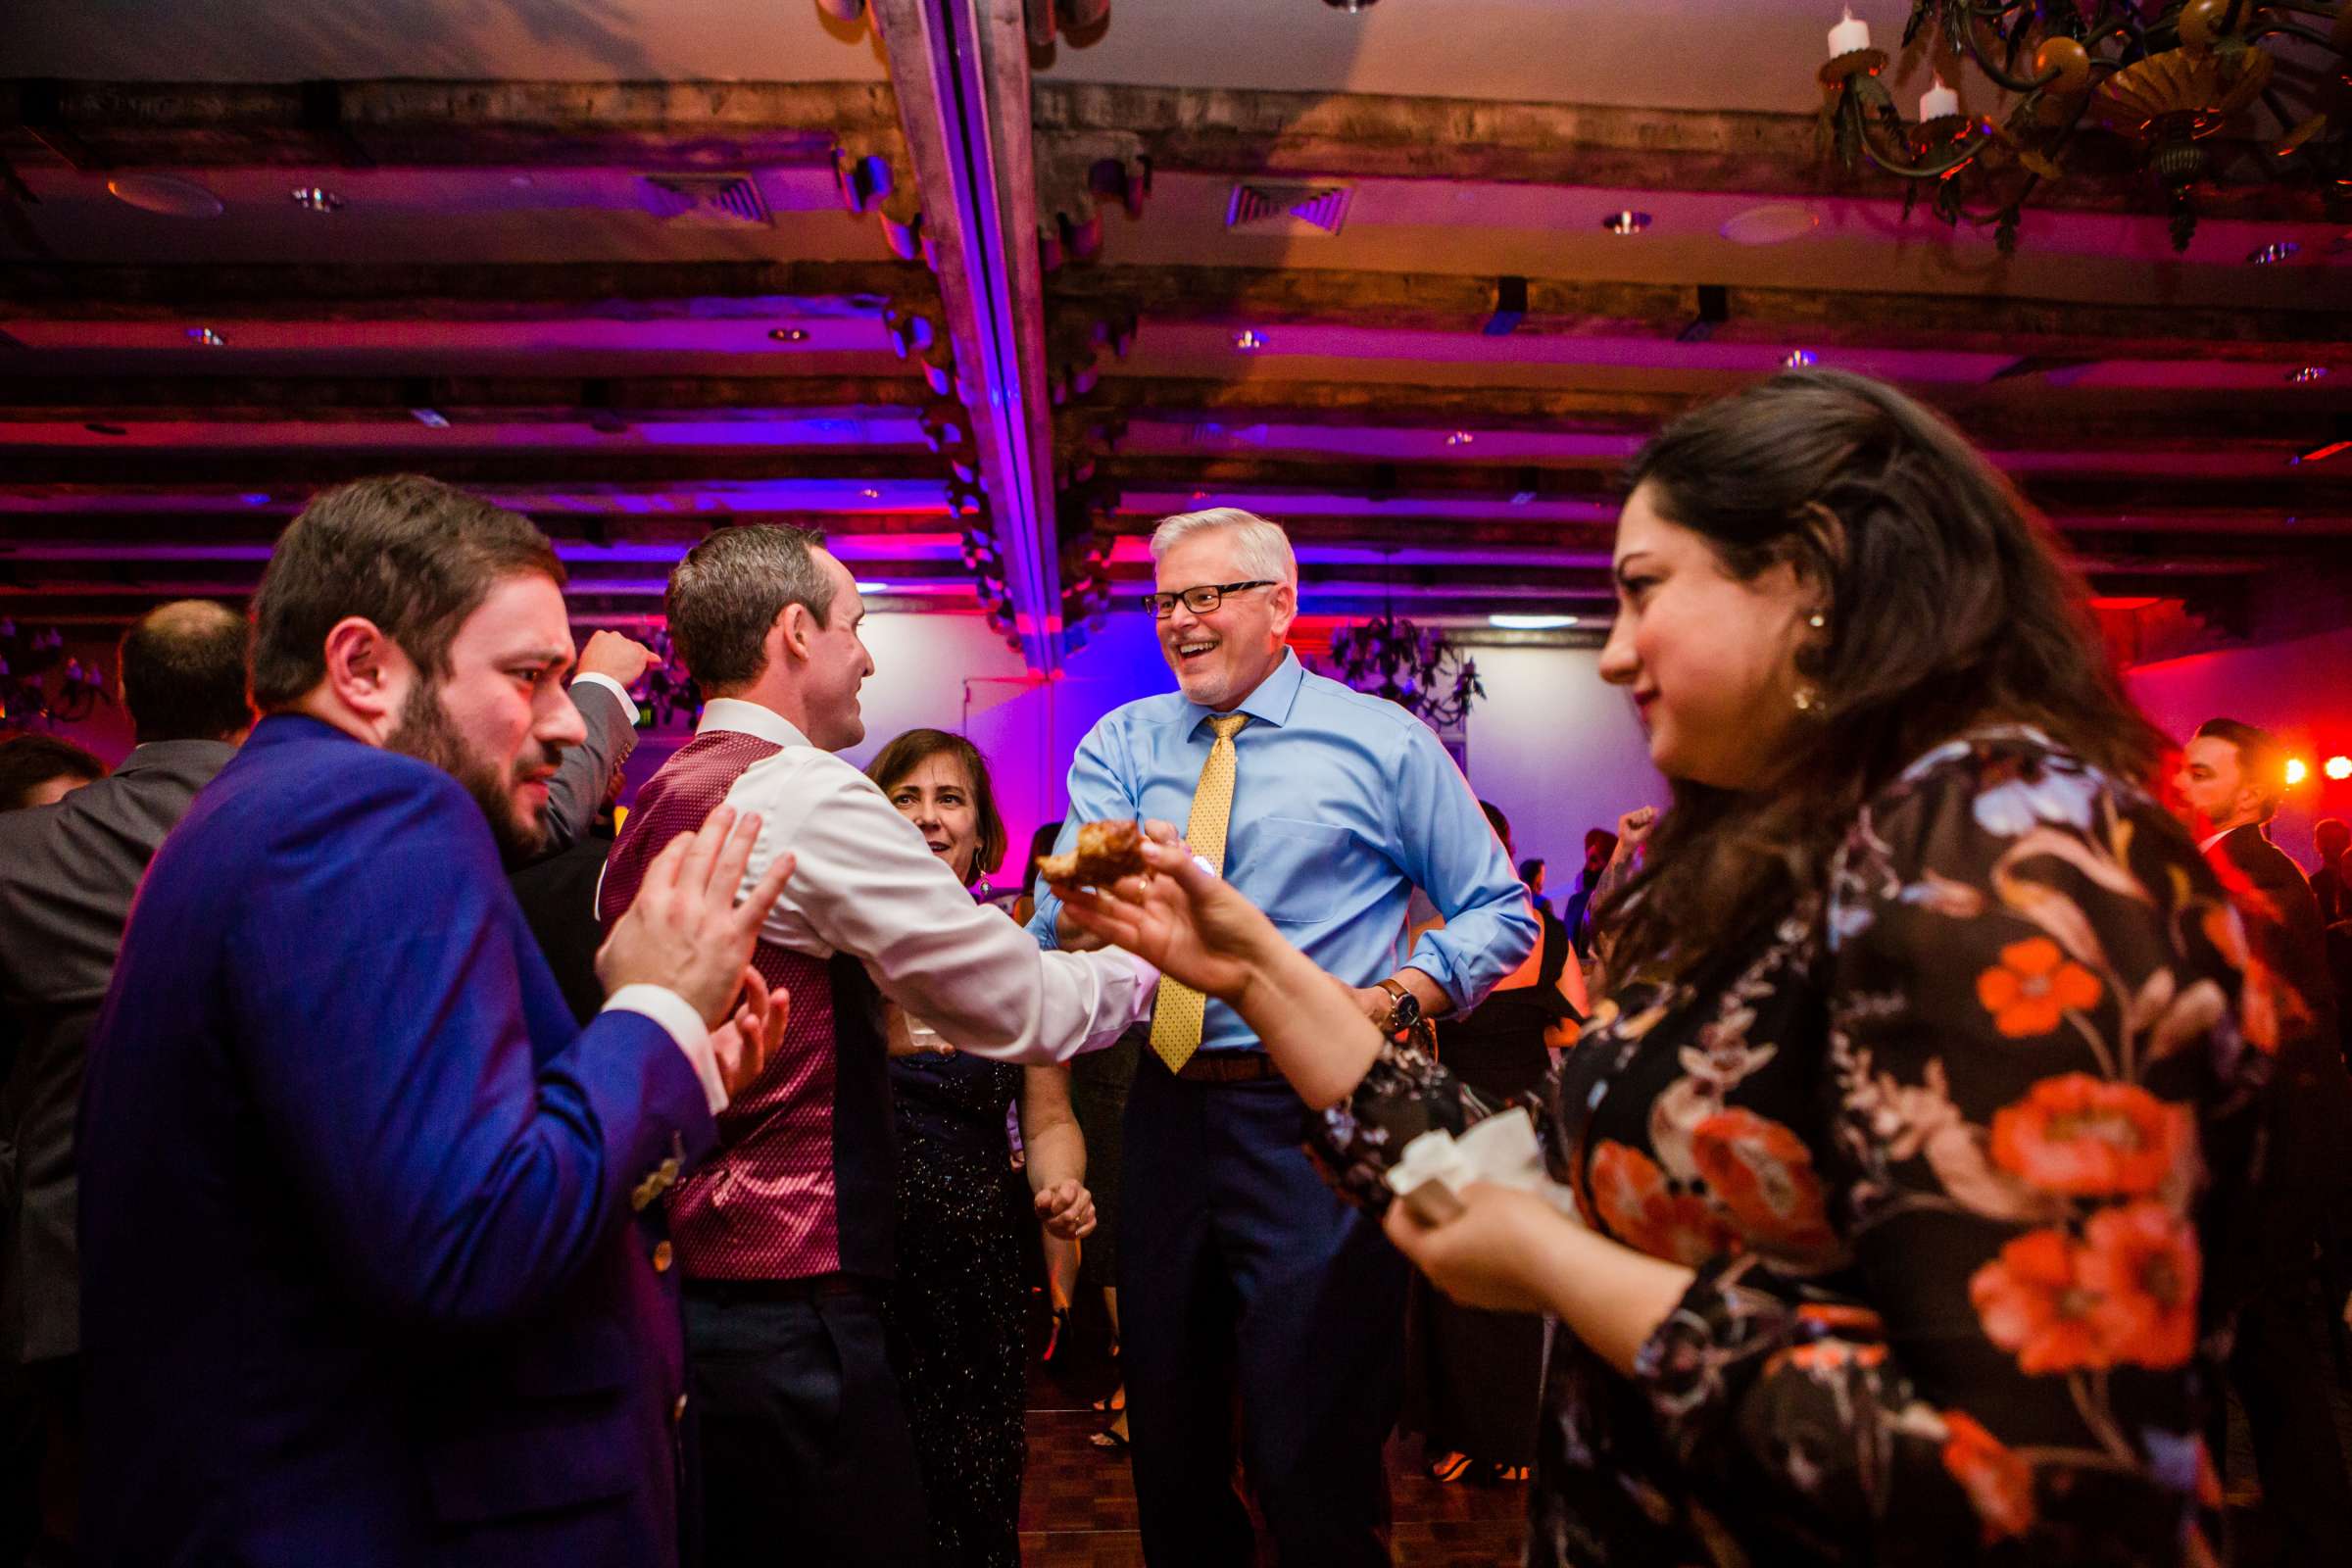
{"type": "Point", "coordinates": [873, 587]}
{"type": "Point", "coordinates": [1798, 359]}
{"type": "Point", "coordinates": [430, 419]}
{"type": "Point", "coordinates": [787, 334]}
{"type": "Point", "coordinates": [161, 193]}
{"type": "Point", "coordinates": [1773, 223]}
{"type": "Point", "coordinates": [1627, 221]}
{"type": "Point", "coordinates": [1461, 438]}
{"type": "Point", "coordinates": [870, 493]}
{"type": "Point", "coordinates": [1248, 340]}
{"type": "Point", "coordinates": [316, 199]}
{"type": "Point", "coordinates": [204, 337]}
{"type": "Point", "coordinates": [2309, 373]}
{"type": "Point", "coordinates": [1530, 622]}
{"type": "Point", "coordinates": [2273, 254]}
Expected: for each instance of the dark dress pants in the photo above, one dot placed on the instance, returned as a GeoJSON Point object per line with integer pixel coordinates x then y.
{"type": "Point", "coordinates": [797, 1440]}
{"type": "Point", "coordinates": [1241, 1274]}
{"type": "Point", "coordinates": [40, 1414]}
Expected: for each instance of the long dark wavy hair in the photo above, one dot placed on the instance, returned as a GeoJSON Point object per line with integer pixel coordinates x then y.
{"type": "Point", "coordinates": [1947, 604]}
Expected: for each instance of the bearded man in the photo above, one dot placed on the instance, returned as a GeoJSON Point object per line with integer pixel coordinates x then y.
{"type": "Point", "coordinates": [373, 1267]}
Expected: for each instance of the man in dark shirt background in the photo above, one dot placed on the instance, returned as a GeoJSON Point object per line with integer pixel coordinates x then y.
{"type": "Point", "coordinates": [2231, 774]}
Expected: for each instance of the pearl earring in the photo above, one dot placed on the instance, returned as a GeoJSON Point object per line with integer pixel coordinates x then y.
{"type": "Point", "coordinates": [1807, 700]}
{"type": "Point", "coordinates": [1817, 620]}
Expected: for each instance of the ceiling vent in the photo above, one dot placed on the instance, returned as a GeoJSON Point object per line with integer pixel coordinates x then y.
{"type": "Point", "coordinates": [1259, 208]}
{"type": "Point", "coordinates": [705, 201]}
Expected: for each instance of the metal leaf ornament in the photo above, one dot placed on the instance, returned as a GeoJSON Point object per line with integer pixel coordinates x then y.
{"type": "Point", "coordinates": [41, 682]}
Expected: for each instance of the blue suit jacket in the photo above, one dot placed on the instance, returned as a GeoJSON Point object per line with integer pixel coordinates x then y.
{"type": "Point", "coordinates": [364, 1278]}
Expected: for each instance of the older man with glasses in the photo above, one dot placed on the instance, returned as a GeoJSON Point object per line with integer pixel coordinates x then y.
{"type": "Point", "coordinates": [1326, 807]}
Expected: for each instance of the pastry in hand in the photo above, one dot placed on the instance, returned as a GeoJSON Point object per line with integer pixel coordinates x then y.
{"type": "Point", "coordinates": [1105, 852]}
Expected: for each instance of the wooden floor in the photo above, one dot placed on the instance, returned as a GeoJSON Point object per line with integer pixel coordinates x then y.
{"type": "Point", "coordinates": [1078, 1501]}
{"type": "Point", "coordinates": [1078, 1508]}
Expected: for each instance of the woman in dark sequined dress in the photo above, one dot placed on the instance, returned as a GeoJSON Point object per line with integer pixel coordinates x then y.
{"type": "Point", "coordinates": [955, 1310]}
{"type": "Point", "coordinates": [1911, 1148]}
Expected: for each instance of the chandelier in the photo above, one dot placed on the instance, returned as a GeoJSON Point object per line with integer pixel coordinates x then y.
{"type": "Point", "coordinates": [2103, 86]}
{"type": "Point", "coordinates": [30, 655]}
{"type": "Point", "coordinates": [1414, 666]}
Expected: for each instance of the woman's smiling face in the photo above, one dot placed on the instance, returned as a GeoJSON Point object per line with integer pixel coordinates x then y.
{"type": "Point", "coordinates": [937, 798]}
{"type": "Point", "coordinates": [1710, 660]}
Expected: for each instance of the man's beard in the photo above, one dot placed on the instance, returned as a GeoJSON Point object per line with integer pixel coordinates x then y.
{"type": "Point", "coordinates": [424, 732]}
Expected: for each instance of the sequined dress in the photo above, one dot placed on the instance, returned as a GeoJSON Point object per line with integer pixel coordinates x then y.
{"type": "Point", "coordinates": [954, 1313]}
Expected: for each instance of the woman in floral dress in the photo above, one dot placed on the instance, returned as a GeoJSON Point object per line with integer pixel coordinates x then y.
{"type": "Point", "coordinates": [1931, 1064]}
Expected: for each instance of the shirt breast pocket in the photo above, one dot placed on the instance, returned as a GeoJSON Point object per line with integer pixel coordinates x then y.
{"type": "Point", "coordinates": [1287, 868]}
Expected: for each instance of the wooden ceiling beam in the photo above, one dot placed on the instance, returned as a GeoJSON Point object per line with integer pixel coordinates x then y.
{"type": "Point", "coordinates": [340, 398]}
{"type": "Point", "coordinates": [1305, 135]}
{"type": "Point", "coordinates": [74, 534]}
{"type": "Point", "coordinates": [2310, 488]}
{"type": "Point", "coordinates": [2021, 416]}
{"type": "Point", "coordinates": [653, 125]}
{"type": "Point", "coordinates": [449, 291]}
{"type": "Point", "coordinates": [109, 471]}
{"type": "Point", "coordinates": [1464, 303]}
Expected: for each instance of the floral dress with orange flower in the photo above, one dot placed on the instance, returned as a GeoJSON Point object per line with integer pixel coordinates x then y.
{"type": "Point", "coordinates": [1942, 1144]}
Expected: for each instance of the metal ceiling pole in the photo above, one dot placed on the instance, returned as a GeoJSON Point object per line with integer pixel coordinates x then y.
{"type": "Point", "coordinates": [962, 69]}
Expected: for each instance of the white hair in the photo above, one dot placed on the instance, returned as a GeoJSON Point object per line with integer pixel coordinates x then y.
{"type": "Point", "coordinates": [1262, 548]}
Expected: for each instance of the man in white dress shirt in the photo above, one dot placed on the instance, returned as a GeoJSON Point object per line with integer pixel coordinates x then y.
{"type": "Point", "coordinates": [784, 1237]}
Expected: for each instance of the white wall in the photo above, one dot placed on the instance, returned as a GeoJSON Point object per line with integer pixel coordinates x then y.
{"type": "Point", "coordinates": [1559, 751]}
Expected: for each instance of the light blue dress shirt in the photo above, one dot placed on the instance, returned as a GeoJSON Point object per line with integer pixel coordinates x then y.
{"type": "Point", "coordinates": [1343, 803]}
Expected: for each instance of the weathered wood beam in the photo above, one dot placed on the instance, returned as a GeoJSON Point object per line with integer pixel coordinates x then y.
{"type": "Point", "coordinates": [653, 126]}
{"type": "Point", "coordinates": [1446, 302]}
{"type": "Point", "coordinates": [508, 400]}
{"type": "Point", "coordinates": [74, 535]}
{"type": "Point", "coordinates": [108, 470]}
{"type": "Point", "coordinates": [2308, 488]}
{"type": "Point", "coordinates": [2026, 415]}
{"type": "Point", "coordinates": [448, 291]}
{"type": "Point", "coordinates": [1362, 135]}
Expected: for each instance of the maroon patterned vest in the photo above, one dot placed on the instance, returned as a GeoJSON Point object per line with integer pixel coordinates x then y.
{"type": "Point", "coordinates": [802, 1180]}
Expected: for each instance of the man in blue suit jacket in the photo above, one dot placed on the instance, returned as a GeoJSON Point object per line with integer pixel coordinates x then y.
{"type": "Point", "coordinates": [372, 1267]}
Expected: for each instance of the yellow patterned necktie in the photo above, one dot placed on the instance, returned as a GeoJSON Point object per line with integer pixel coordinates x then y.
{"type": "Point", "coordinates": [1176, 1020]}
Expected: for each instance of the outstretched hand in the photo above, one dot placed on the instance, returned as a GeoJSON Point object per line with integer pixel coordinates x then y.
{"type": "Point", "coordinates": [686, 929]}
{"type": "Point", "coordinates": [1183, 918]}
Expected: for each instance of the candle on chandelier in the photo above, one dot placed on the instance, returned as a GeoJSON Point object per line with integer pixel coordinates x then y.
{"type": "Point", "coordinates": [1848, 36]}
{"type": "Point", "coordinates": [1938, 102]}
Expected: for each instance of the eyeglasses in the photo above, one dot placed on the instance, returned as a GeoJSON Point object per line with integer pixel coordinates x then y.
{"type": "Point", "coordinates": [1199, 600]}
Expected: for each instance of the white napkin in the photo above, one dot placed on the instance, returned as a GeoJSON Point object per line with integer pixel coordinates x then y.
{"type": "Point", "coordinates": [1501, 1149]}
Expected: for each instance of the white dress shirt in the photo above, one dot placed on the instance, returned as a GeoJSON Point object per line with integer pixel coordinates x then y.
{"type": "Point", "coordinates": [867, 884]}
